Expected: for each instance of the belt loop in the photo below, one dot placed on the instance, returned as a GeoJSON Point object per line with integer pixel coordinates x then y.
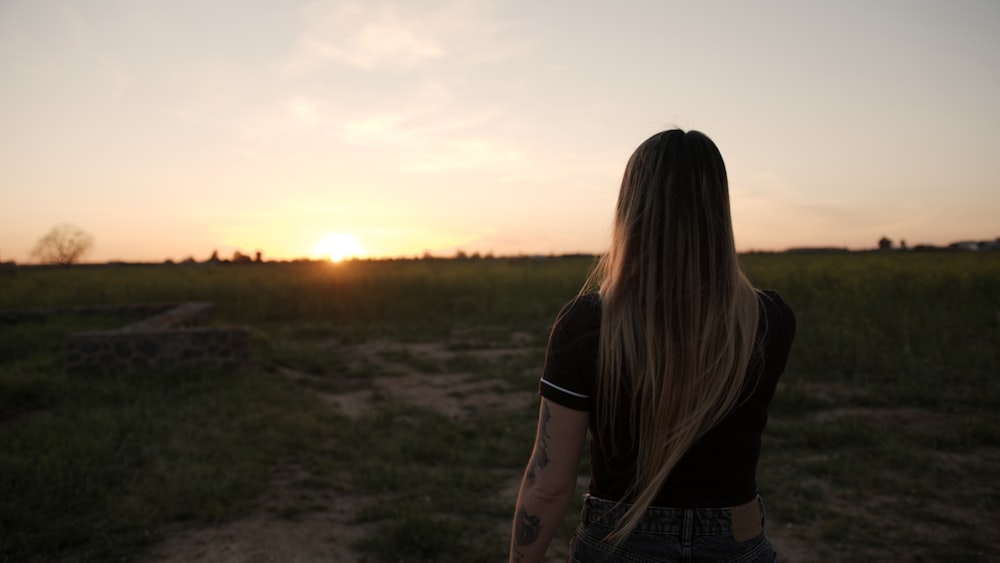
{"type": "Point", "coordinates": [687, 531]}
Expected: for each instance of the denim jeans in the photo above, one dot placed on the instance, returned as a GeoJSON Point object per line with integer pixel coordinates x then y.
{"type": "Point", "coordinates": [702, 535]}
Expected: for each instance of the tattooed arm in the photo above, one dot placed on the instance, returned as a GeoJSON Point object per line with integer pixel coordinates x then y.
{"type": "Point", "coordinates": [549, 480]}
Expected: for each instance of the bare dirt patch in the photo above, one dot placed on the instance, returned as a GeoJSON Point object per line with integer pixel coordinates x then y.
{"type": "Point", "coordinates": [457, 395]}
{"type": "Point", "coordinates": [263, 539]}
{"type": "Point", "coordinates": [329, 533]}
{"type": "Point", "coordinates": [267, 535]}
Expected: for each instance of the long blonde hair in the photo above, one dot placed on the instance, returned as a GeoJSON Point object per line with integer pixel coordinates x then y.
{"type": "Point", "coordinates": [678, 315]}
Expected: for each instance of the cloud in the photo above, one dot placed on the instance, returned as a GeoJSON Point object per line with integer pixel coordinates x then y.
{"type": "Point", "coordinates": [432, 143]}
{"type": "Point", "coordinates": [377, 130]}
{"type": "Point", "coordinates": [467, 154]}
{"type": "Point", "coordinates": [361, 35]}
{"type": "Point", "coordinates": [428, 133]}
{"type": "Point", "coordinates": [303, 110]}
{"type": "Point", "coordinates": [396, 35]}
{"type": "Point", "coordinates": [392, 83]}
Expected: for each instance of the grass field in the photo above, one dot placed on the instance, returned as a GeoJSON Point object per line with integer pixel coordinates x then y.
{"type": "Point", "coordinates": [391, 407]}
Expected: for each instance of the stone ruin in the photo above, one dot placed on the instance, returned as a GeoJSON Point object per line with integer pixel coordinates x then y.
{"type": "Point", "coordinates": [173, 337]}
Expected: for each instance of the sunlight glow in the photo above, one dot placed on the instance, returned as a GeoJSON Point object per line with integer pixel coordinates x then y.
{"type": "Point", "coordinates": [338, 247]}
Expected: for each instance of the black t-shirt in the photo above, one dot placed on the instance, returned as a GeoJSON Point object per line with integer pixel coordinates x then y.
{"type": "Point", "coordinates": [720, 468]}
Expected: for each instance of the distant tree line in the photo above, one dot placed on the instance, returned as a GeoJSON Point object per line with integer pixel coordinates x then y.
{"type": "Point", "coordinates": [885, 244]}
{"type": "Point", "coordinates": [66, 244]}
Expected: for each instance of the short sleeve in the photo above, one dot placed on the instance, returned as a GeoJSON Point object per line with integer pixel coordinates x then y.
{"type": "Point", "coordinates": [779, 330]}
{"type": "Point", "coordinates": [571, 357]}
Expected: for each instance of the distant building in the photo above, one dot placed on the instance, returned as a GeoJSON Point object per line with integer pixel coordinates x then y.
{"type": "Point", "coordinates": [990, 245]}
{"type": "Point", "coordinates": [964, 245]}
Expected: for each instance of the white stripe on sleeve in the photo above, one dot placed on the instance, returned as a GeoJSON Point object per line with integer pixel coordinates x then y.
{"type": "Point", "coordinates": [567, 391]}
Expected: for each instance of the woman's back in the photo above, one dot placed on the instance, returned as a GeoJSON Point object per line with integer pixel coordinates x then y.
{"type": "Point", "coordinates": [669, 367]}
{"type": "Point", "coordinates": [720, 468]}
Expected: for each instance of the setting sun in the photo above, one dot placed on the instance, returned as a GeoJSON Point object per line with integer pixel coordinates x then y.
{"type": "Point", "coordinates": [337, 247]}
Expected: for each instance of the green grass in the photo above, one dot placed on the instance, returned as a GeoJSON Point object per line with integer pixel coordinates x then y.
{"type": "Point", "coordinates": [108, 459]}
{"type": "Point", "coordinates": [435, 480]}
{"type": "Point", "coordinates": [883, 442]}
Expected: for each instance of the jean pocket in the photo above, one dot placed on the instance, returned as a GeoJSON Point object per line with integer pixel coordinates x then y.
{"type": "Point", "coordinates": [756, 550]}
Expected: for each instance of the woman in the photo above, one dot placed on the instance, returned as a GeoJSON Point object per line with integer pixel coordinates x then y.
{"type": "Point", "coordinates": [670, 366]}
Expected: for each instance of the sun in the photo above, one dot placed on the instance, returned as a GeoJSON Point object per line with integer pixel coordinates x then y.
{"type": "Point", "coordinates": [337, 247]}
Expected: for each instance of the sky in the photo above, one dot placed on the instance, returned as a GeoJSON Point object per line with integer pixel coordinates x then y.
{"type": "Point", "coordinates": [169, 129]}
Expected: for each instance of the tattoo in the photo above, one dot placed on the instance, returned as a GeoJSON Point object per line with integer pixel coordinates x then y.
{"type": "Point", "coordinates": [541, 457]}
{"type": "Point", "coordinates": [527, 528]}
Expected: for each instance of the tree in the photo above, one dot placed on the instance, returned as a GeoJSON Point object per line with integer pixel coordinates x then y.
{"type": "Point", "coordinates": [64, 244]}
